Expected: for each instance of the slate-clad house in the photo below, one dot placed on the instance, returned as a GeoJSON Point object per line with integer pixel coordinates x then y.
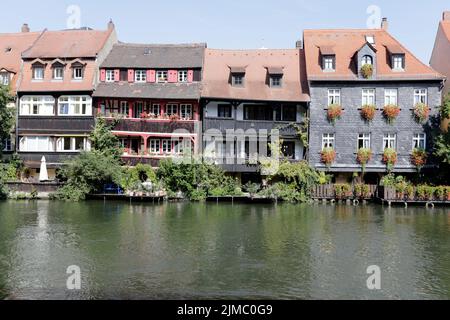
{"type": "Point", "coordinates": [334, 60]}
{"type": "Point", "coordinates": [440, 59]}
{"type": "Point", "coordinates": [11, 47]}
{"type": "Point", "coordinates": [153, 92]}
{"type": "Point", "coordinates": [248, 90]}
{"type": "Point", "coordinates": [55, 114]}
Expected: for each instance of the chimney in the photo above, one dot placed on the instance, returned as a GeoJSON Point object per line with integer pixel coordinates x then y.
{"type": "Point", "coordinates": [384, 24]}
{"type": "Point", "coordinates": [446, 16]}
{"type": "Point", "coordinates": [25, 27]}
{"type": "Point", "coordinates": [111, 25]}
{"type": "Point", "coordinates": [299, 44]}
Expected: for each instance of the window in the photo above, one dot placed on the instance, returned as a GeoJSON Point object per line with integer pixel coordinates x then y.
{"type": "Point", "coordinates": [138, 109]}
{"type": "Point", "coordinates": [166, 146]}
{"type": "Point", "coordinates": [328, 141]}
{"type": "Point", "coordinates": [172, 109]}
{"type": "Point", "coordinates": [260, 112]}
{"type": "Point", "coordinates": [4, 78]}
{"type": "Point", "coordinates": [182, 76]}
{"type": "Point", "coordinates": [367, 60]}
{"type": "Point", "coordinates": [370, 39]}
{"type": "Point", "coordinates": [389, 141]}
{"type": "Point", "coordinates": [224, 111]}
{"type": "Point", "coordinates": [276, 81]}
{"type": "Point", "coordinates": [368, 97]}
{"type": "Point", "coordinates": [288, 149]}
{"type": "Point", "coordinates": [124, 75]}
{"type": "Point", "coordinates": [109, 75]}
{"type": "Point", "coordinates": [58, 73]}
{"type": "Point", "coordinates": [73, 144]}
{"type": "Point", "coordinates": [140, 76]}
{"type": "Point", "coordinates": [390, 97]}
{"type": "Point", "coordinates": [420, 141]}
{"type": "Point", "coordinates": [398, 62]}
{"type": "Point", "coordinates": [420, 96]}
{"type": "Point", "coordinates": [186, 111]}
{"type": "Point", "coordinates": [237, 80]}
{"type": "Point", "coordinates": [328, 63]}
{"type": "Point", "coordinates": [364, 141]}
{"type": "Point", "coordinates": [78, 73]}
{"type": "Point", "coordinates": [179, 147]}
{"type": "Point", "coordinates": [334, 96]}
{"type": "Point", "coordinates": [7, 145]}
{"type": "Point", "coordinates": [161, 76]}
{"type": "Point", "coordinates": [123, 109]}
{"type": "Point", "coordinates": [155, 109]}
{"type": "Point", "coordinates": [286, 113]}
{"type": "Point", "coordinates": [155, 146]}
{"type": "Point", "coordinates": [37, 105]}
{"type": "Point", "coordinates": [36, 144]}
{"type": "Point", "coordinates": [38, 73]}
{"type": "Point", "coordinates": [75, 106]}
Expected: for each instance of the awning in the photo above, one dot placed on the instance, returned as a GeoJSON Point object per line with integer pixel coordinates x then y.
{"type": "Point", "coordinates": [275, 70]}
{"type": "Point", "coordinates": [327, 50]}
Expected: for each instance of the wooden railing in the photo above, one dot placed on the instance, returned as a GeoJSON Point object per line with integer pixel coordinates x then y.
{"type": "Point", "coordinates": [328, 191]}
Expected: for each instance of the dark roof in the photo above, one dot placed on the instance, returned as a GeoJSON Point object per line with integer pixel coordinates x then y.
{"type": "Point", "coordinates": [153, 91]}
{"type": "Point", "coordinates": [125, 55]}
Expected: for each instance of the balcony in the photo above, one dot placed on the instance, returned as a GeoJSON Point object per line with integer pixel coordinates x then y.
{"type": "Point", "coordinates": [155, 125]}
{"type": "Point", "coordinates": [52, 124]}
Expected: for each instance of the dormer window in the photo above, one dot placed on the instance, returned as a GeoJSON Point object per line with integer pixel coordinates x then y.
{"type": "Point", "coordinates": [38, 72]}
{"type": "Point", "coordinates": [275, 77]}
{"type": "Point", "coordinates": [237, 80]}
{"type": "Point", "coordinates": [58, 73]}
{"type": "Point", "coordinates": [182, 76]}
{"type": "Point", "coordinates": [162, 76]}
{"type": "Point", "coordinates": [4, 78]}
{"type": "Point", "coordinates": [367, 60]}
{"type": "Point", "coordinates": [398, 62]}
{"type": "Point", "coordinates": [78, 73]}
{"type": "Point", "coordinates": [328, 63]}
{"type": "Point", "coordinates": [140, 76]}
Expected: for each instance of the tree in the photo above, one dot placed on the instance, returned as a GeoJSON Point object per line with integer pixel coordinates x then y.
{"type": "Point", "coordinates": [6, 114]}
{"type": "Point", "coordinates": [104, 141]}
{"type": "Point", "coordinates": [442, 144]}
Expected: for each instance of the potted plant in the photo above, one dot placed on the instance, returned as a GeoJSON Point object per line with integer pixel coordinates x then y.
{"type": "Point", "coordinates": [144, 115]}
{"type": "Point", "coordinates": [421, 193]}
{"type": "Point", "coordinates": [391, 112]}
{"type": "Point", "coordinates": [368, 112]}
{"type": "Point", "coordinates": [358, 190]}
{"type": "Point", "coordinates": [400, 189]}
{"type": "Point", "coordinates": [410, 192]}
{"type": "Point", "coordinates": [334, 112]}
{"type": "Point", "coordinates": [328, 156]}
{"type": "Point", "coordinates": [389, 158]}
{"type": "Point", "coordinates": [363, 157]}
{"type": "Point", "coordinates": [419, 158]}
{"type": "Point", "coordinates": [440, 193]}
{"type": "Point", "coordinates": [429, 193]}
{"type": "Point", "coordinates": [447, 190]}
{"type": "Point", "coordinates": [174, 117]}
{"type": "Point", "coordinates": [421, 112]}
{"type": "Point", "coordinates": [367, 71]}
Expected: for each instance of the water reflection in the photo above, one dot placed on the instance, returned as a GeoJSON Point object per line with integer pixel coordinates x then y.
{"type": "Point", "coordinates": [186, 250]}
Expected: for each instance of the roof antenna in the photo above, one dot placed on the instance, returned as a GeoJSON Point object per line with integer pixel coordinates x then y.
{"type": "Point", "coordinates": [263, 47]}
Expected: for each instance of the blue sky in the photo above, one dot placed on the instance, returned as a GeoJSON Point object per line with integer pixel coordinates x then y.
{"type": "Point", "coordinates": [232, 23]}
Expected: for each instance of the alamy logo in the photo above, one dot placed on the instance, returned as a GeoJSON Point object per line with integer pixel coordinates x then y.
{"type": "Point", "coordinates": [74, 19]}
{"type": "Point", "coordinates": [374, 281]}
{"type": "Point", "coordinates": [374, 19]}
{"type": "Point", "coordinates": [74, 280]}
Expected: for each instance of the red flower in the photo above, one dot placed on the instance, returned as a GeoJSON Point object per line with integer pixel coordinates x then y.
{"type": "Point", "coordinates": [421, 112]}
{"type": "Point", "coordinates": [328, 156]}
{"type": "Point", "coordinates": [391, 112]}
{"type": "Point", "coordinates": [334, 112]}
{"type": "Point", "coordinates": [368, 112]}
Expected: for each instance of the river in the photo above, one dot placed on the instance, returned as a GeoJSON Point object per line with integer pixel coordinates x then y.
{"type": "Point", "coordinates": [222, 251]}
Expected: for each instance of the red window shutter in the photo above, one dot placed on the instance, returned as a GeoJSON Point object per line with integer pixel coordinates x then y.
{"type": "Point", "coordinates": [151, 76]}
{"type": "Point", "coordinates": [173, 75]}
{"type": "Point", "coordinates": [130, 75]}
{"type": "Point", "coordinates": [190, 75]}
{"type": "Point", "coordinates": [102, 75]}
{"type": "Point", "coordinates": [116, 75]}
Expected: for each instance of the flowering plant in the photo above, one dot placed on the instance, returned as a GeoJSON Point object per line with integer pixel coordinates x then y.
{"type": "Point", "coordinates": [334, 112]}
{"type": "Point", "coordinates": [363, 157]}
{"type": "Point", "coordinates": [174, 117]}
{"type": "Point", "coordinates": [391, 112]}
{"type": "Point", "coordinates": [328, 156]}
{"type": "Point", "coordinates": [368, 112]}
{"type": "Point", "coordinates": [421, 112]}
{"type": "Point", "coordinates": [419, 158]}
{"type": "Point", "coordinates": [367, 71]}
{"type": "Point", "coordinates": [390, 158]}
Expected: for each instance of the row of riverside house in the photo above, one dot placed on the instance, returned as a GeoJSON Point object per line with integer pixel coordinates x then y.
{"type": "Point", "coordinates": [169, 100]}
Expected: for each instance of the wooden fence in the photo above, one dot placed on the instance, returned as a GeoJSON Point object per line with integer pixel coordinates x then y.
{"type": "Point", "coordinates": [328, 191]}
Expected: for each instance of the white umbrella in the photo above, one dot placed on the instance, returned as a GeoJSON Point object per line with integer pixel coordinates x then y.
{"type": "Point", "coordinates": [43, 175]}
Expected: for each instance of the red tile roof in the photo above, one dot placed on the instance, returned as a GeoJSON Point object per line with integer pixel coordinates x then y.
{"type": "Point", "coordinates": [256, 63]}
{"type": "Point", "coordinates": [11, 47]}
{"type": "Point", "coordinates": [346, 42]}
{"type": "Point", "coordinates": [68, 44]}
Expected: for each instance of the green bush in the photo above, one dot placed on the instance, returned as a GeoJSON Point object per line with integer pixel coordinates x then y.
{"type": "Point", "coordinates": [285, 191]}
{"type": "Point", "coordinates": [342, 190]}
{"type": "Point", "coordinates": [440, 192]}
{"type": "Point", "coordinates": [132, 178]}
